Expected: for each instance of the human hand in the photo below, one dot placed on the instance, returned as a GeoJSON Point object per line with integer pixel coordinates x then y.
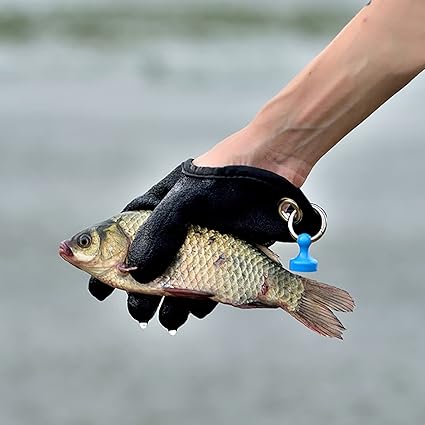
{"type": "Point", "coordinates": [240, 200]}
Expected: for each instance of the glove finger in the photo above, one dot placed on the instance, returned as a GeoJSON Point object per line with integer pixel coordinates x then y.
{"type": "Point", "coordinates": [174, 312]}
{"type": "Point", "coordinates": [201, 308]}
{"type": "Point", "coordinates": [153, 196]}
{"type": "Point", "coordinates": [142, 307]}
{"type": "Point", "coordinates": [99, 289]}
{"type": "Point", "coordinates": [160, 237]}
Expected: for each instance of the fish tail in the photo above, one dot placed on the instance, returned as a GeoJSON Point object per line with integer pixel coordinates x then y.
{"type": "Point", "coordinates": [314, 309]}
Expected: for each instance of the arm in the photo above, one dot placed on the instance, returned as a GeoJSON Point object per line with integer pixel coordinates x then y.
{"type": "Point", "coordinates": [374, 56]}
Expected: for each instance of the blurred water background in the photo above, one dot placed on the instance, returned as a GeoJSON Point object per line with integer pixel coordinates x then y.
{"type": "Point", "coordinates": [98, 101]}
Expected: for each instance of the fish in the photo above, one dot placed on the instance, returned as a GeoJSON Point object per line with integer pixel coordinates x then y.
{"type": "Point", "coordinates": [209, 265]}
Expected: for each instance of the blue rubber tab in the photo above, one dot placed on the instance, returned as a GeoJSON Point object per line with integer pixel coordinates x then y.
{"type": "Point", "coordinates": [303, 262]}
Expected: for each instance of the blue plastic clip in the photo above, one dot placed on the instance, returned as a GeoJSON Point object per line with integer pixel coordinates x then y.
{"type": "Point", "coordinates": [303, 262]}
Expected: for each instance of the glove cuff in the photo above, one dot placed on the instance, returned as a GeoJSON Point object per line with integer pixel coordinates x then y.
{"type": "Point", "coordinates": [234, 172]}
{"type": "Point", "coordinates": [277, 186]}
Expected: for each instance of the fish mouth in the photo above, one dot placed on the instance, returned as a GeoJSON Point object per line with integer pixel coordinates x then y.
{"type": "Point", "coordinates": [65, 251]}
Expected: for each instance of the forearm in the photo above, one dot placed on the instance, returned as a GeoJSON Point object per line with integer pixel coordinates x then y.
{"type": "Point", "coordinates": [374, 56]}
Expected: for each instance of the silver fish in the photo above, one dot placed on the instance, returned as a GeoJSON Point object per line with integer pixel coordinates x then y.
{"type": "Point", "coordinates": [210, 265]}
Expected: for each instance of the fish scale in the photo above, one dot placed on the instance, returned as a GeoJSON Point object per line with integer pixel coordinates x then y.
{"type": "Point", "coordinates": [211, 265]}
{"type": "Point", "coordinates": [212, 262]}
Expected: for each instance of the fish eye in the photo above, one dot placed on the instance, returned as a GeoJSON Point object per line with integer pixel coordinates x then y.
{"type": "Point", "coordinates": [84, 240]}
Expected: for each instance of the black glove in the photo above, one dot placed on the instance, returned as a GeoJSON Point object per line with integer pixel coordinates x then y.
{"type": "Point", "coordinates": [174, 311]}
{"type": "Point", "coordinates": [239, 200]}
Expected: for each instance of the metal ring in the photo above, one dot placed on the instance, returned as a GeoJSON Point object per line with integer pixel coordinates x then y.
{"type": "Point", "coordinates": [285, 202]}
{"type": "Point", "coordinates": [322, 229]}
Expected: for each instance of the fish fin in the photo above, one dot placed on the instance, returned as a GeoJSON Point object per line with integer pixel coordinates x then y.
{"type": "Point", "coordinates": [269, 253]}
{"type": "Point", "coordinates": [123, 268]}
{"type": "Point", "coordinates": [315, 308]}
{"type": "Point", "coordinates": [188, 293]}
{"type": "Point", "coordinates": [255, 304]}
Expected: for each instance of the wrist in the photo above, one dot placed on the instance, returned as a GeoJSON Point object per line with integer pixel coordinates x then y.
{"type": "Point", "coordinates": [255, 146]}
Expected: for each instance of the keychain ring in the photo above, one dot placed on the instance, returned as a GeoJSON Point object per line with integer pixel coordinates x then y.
{"type": "Point", "coordinates": [285, 202]}
{"type": "Point", "coordinates": [322, 229]}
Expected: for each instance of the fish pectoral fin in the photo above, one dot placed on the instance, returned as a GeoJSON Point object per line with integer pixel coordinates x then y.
{"type": "Point", "coordinates": [123, 268]}
{"type": "Point", "coordinates": [188, 293]}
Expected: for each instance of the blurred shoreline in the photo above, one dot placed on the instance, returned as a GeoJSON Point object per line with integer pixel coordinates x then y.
{"type": "Point", "coordinates": [131, 23]}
